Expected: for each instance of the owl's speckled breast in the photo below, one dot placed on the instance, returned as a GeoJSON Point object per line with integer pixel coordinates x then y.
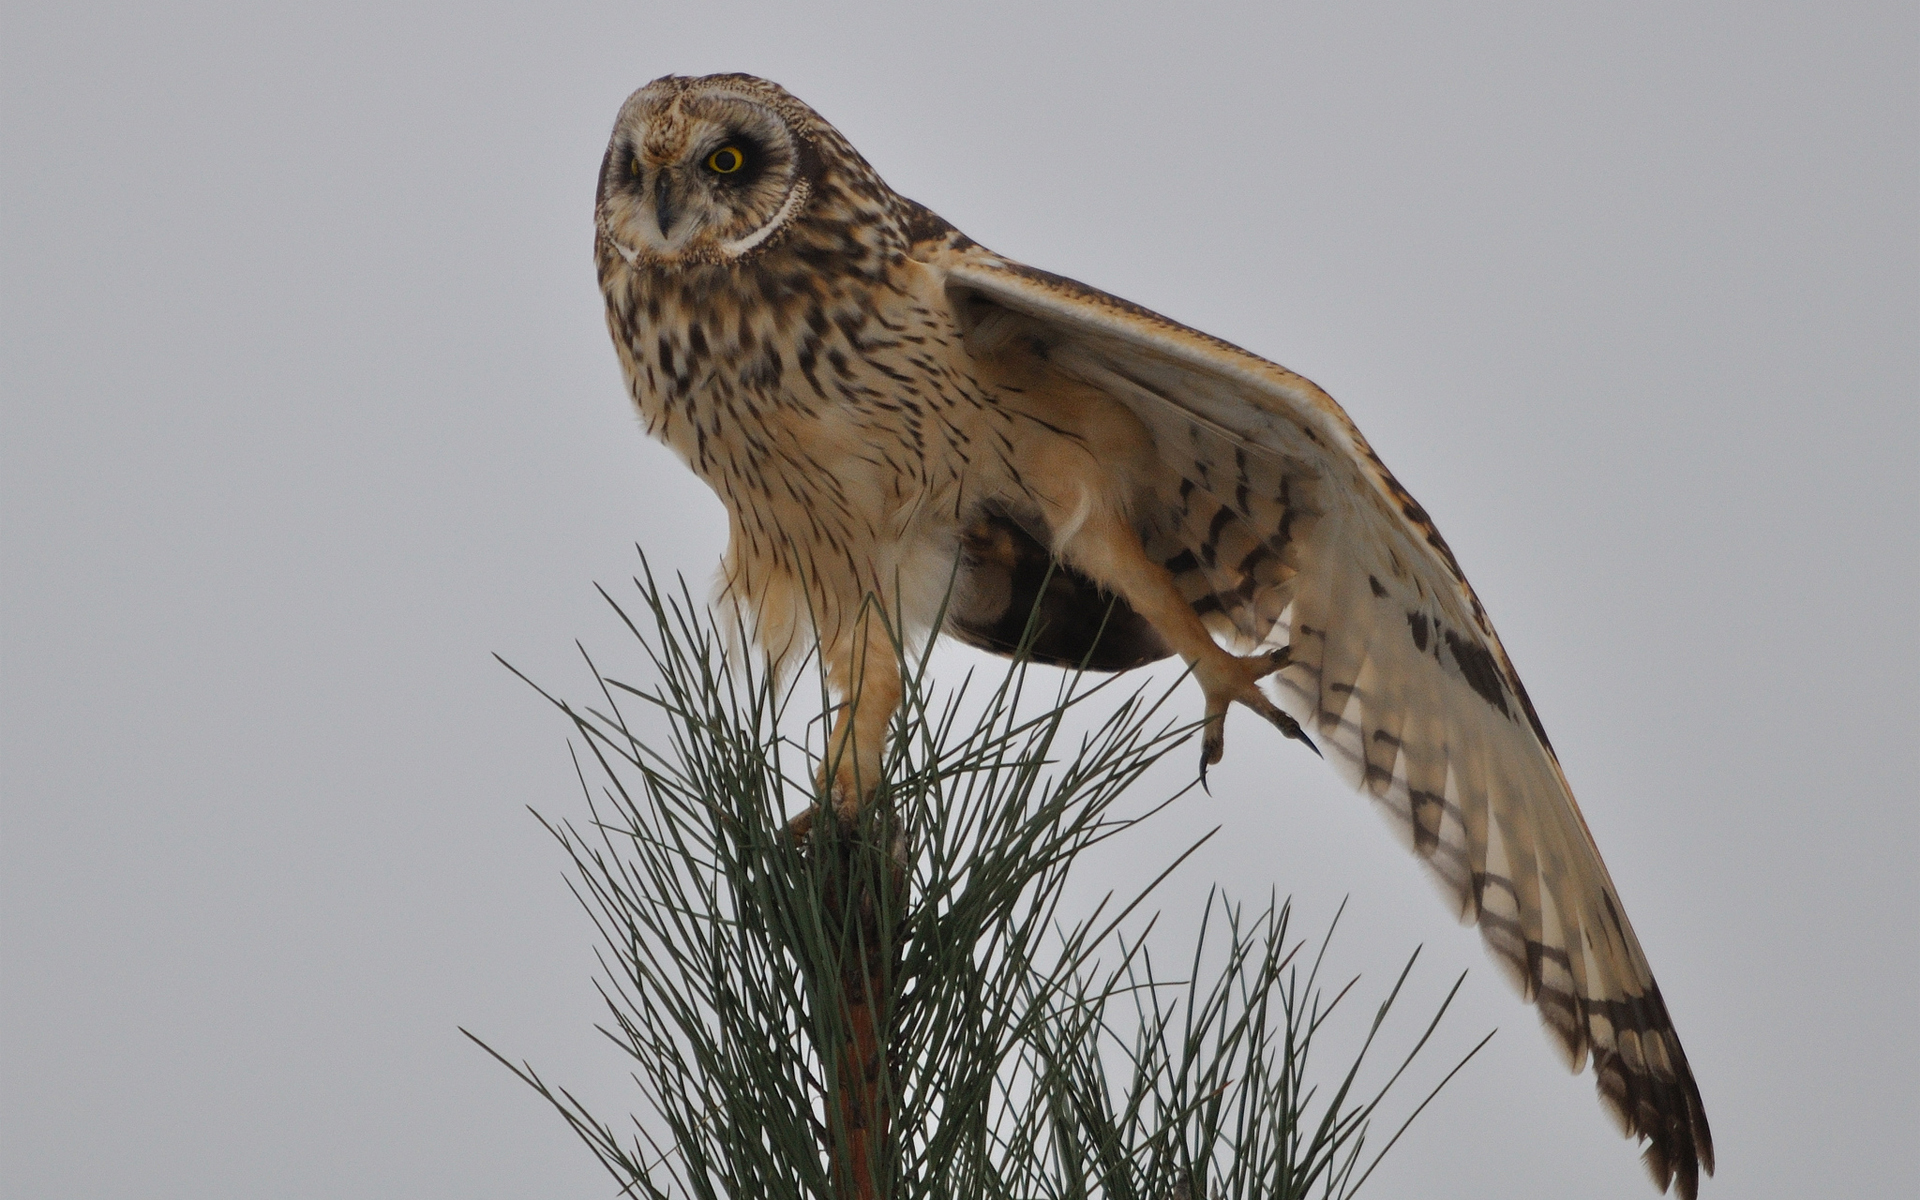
{"type": "Point", "coordinates": [797, 392]}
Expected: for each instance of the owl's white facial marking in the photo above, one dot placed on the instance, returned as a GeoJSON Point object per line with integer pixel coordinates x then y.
{"type": "Point", "coordinates": [697, 176]}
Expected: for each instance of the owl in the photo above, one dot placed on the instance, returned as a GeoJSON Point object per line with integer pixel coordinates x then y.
{"type": "Point", "coordinates": [909, 431]}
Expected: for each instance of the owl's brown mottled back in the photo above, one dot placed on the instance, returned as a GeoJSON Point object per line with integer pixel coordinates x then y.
{"type": "Point", "coordinates": [901, 422]}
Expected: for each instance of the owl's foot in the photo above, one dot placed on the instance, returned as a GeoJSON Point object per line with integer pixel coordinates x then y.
{"type": "Point", "coordinates": [845, 793]}
{"type": "Point", "coordinates": [841, 792]}
{"type": "Point", "coordinates": [843, 809]}
{"type": "Point", "coordinates": [1228, 679]}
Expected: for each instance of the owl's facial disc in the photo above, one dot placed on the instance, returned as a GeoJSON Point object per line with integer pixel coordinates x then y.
{"type": "Point", "coordinates": [697, 176]}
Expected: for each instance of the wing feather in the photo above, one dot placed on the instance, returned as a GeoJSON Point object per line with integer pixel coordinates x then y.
{"type": "Point", "coordinates": [1281, 526]}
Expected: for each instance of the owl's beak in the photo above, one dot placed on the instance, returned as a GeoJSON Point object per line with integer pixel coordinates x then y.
{"type": "Point", "coordinates": [663, 202]}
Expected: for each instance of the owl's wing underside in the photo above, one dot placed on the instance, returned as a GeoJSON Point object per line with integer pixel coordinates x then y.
{"type": "Point", "coordinates": [1282, 527]}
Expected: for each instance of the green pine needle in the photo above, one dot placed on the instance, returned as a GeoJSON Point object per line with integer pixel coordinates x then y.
{"type": "Point", "coordinates": [1021, 1066]}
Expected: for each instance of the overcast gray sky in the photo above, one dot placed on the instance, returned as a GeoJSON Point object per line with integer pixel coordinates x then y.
{"type": "Point", "coordinates": [310, 409]}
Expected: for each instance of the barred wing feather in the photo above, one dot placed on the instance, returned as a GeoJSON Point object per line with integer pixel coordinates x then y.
{"type": "Point", "coordinates": [1282, 527]}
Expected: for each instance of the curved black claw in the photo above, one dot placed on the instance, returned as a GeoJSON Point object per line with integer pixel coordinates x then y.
{"type": "Point", "coordinates": [1213, 745]}
{"type": "Point", "coordinates": [1280, 720]}
{"type": "Point", "coordinates": [1213, 742]}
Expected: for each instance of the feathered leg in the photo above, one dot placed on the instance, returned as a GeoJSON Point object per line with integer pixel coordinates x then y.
{"type": "Point", "coordinates": [1106, 548]}
{"type": "Point", "coordinates": [864, 671]}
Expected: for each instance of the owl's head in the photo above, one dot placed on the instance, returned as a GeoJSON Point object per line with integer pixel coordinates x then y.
{"type": "Point", "coordinates": [711, 170]}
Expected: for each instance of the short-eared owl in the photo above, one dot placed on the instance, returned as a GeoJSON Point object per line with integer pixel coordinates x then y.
{"type": "Point", "coordinates": [886, 407]}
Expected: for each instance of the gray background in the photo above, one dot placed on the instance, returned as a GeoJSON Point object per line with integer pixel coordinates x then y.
{"type": "Point", "coordinates": [309, 407]}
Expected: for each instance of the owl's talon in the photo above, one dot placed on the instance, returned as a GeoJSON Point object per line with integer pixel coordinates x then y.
{"type": "Point", "coordinates": [842, 801]}
{"type": "Point", "coordinates": [1259, 703]}
{"type": "Point", "coordinates": [843, 794]}
{"type": "Point", "coordinates": [1228, 680]}
{"type": "Point", "coordinates": [1213, 744]}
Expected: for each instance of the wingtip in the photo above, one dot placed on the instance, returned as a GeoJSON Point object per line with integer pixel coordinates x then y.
{"type": "Point", "coordinates": [1664, 1110]}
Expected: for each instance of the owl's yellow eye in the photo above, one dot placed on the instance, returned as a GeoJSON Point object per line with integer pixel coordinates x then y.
{"type": "Point", "coordinates": [726, 160]}
{"type": "Point", "coordinates": [634, 166]}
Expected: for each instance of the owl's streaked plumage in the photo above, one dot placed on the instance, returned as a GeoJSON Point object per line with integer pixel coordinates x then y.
{"type": "Point", "coordinates": [877, 399]}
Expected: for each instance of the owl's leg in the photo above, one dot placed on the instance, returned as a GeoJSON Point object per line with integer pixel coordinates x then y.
{"type": "Point", "coordinates": [1106, 548]}
{"type": "Point", "coordinates": [865, 673]}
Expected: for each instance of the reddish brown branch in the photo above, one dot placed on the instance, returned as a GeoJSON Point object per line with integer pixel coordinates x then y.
{"type": "Point", "coordinates": [869, 964]}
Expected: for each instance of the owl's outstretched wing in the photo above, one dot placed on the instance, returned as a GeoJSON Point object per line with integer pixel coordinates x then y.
{"type": "Point", "coordinates": [1282, 527]}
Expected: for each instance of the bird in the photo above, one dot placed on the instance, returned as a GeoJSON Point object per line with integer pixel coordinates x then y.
{"type": "Point", "coordinates": [913, 435]}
